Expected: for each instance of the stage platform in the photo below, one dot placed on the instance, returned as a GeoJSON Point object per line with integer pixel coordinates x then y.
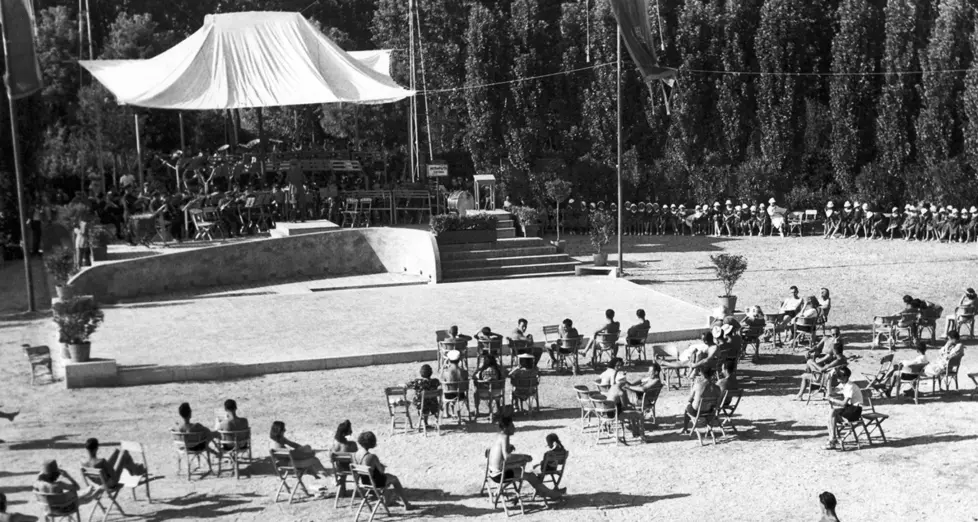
{"type": "Point", "coordinates": [267, 330]}
{"type": "Point", "coordinates": [286, 229]}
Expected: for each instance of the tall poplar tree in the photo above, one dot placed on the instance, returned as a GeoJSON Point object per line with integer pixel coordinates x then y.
{"type": "Point", "coordinates": [736, 103]}
{"type": "Point", "coordinates": [486, 62]}
{"type": "Point", "coordinates": [896, 106]}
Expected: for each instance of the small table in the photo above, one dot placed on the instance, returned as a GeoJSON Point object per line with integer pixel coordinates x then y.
{"type": "Point", "coordinates": [670, 368]}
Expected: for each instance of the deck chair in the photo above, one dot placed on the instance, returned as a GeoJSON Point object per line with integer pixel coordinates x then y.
{"type": "Point", "coordinates": [342, 463]}
{"type": "Point", "coordinates": [552, 470]}
{"type": "Point", "coordinates": [58, 506]}
{"type": "Point", "coordinates": [636, 344]}
{"type": "Point", "coordinates": [454, 395]}
{"type": "Point", "coordinates": [707, 418]}
{"type": "Point", "coordinates": [203, 226]}
{"type": "Point", "coordinates": [399, 408]}
{"type": "Point", "coordinates": [39, 358]}
{"type": "Point", "coordinates": [728, 408]}
{"type": "Point", "coordinates": [372, 496]}
{"type": "Point", "coordinates": [525, 391]}
{"type": "Point", "coordinates": [285, 468]}
{"type": "Point", "coordinates": [99, 479]}
{"type": "Point", "coordinates": [493, 393]}
{"type": "Point", "coordinates": [604, 343]}
{"type": "Point", "coordinates": [879, 383]}
{"type": "Point", "coordinates": [138, 454]}
{"type": "Point", "coordinates": [610, 423]}
{"type": "Point", "coordinates": [234, 446]}
{"type": "Point", "coordinates": [427, 396]}
{"type": "Point", "coordinates": [872, 420]}
{"type": "Point", "coordinates": [569, 347]}
{"type": "Point", "coordinates": [587, 409]}
{"type": "Point", "coordinates": [192, 446]}
{"type": "Point", "coordinates": [500, 487]}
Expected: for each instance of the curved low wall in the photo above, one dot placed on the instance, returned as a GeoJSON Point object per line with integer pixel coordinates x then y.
{"type": "Point", "coordinates": [335, 253]}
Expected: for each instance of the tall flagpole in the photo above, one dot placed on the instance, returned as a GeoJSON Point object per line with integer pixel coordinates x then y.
{"type": "Point", "coordinates": [19, 174]}
{"type": "Point", "coordinates": [621, 207]}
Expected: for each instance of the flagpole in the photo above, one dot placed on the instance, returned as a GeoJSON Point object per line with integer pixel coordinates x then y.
{"type": "Point", "coordinates": [621, 208]}
{"type": "Point", "coordinates": [19, 175]}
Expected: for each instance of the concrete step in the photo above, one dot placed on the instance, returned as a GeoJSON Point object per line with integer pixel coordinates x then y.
{"type": "Point", "coordinates": [459, 264]}
{"type": "Point", "coordinates": [512, 276]}
{"type": "Point", "coordinates": [505, 270]}
{"type": "Point", "coordinates": [504, 223]}
{"type": "Point", "coordinates": [515, 242]}
{"type": "Point", "coordinates": [506, 233]}
{"type": "Point", "coordinates": [497, 252]}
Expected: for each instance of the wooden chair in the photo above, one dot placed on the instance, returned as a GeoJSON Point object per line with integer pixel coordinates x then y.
{"type": "Point", "coordinates": [916, 370]}
{"type": "Point", "coordinates": [707, 417]}
{"type": "Point", "coordinates": [609, 422]}
{"type": "Point", "coordinates": [203, 226]}
{"type": "Point", "coordinates": [372, 496]}
{"type": "Point", "coordinates": [872, 420]}
{"type": "Point", "coordinates": [492, 392]}
{"type": "Point", "coordinates": [39, 358]}
{"type": "Point", "coordinates": [636, 344]}
{"type": "Point", "coordinates": [805, 332]}
{"type": "Point", "coordinates": [99, 479]}
{"type": "Point", "coordinates": [184, 444]}
{"type": "Point", "coordinates": [552, 470]}
{"type": "Point", "coordinates": [568, 347]}
{"type": "Point", "coordinates": [138, 454]}
{"type": "Point", "coordinates": [448, 345]}
{"type": "Point", "coordinates": [233, 447]}
{"type": "Point", "coordinates": [58, 506]}
{"type": "Point", "coordinates": [284, 464]}
{"type": "Point", "coordinates": [587, 408]}
{"type": "Point", "coordinates": [879, 383]}
{"type": "Point", "coordinates": [500, 487]}
{"type": "Point", "coordinates": [950, 374]}
{"type": "Point", "coordinates": [772, 330]}
{"type": "Point", "coordinates": [516, 347]}
{"type": "Point", "coordinates": [796, 222]}
{"type": "Point", "coordinates": [604, 343]}
{"type": "Point", "coordinates": [728, 408]}
{"type": "Point", "coordinates": [646, 404]}
{"type": "Point", "coordinates": [888, 328]}
{"type": "Point", "coordinates": [455, 395]}
{"type": "Point", "coordinates": [399, 408]}
{"type": "Point", "coordinates": [965, 317]}
{"type": "Point", "coordinates": [342, 463]}
{"type": "Point", "coordinates": [429, 397]}
{"type": "Point", "coordinates": [525, 391]}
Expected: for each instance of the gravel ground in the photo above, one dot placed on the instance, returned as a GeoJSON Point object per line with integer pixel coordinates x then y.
{"type": "Point", "coordinates": [772, 470]}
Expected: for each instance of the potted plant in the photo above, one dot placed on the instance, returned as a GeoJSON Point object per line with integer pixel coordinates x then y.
{"type": "Point", "coordinates": [449, 229]}
{"type": "Point", "coordinates": [529, 219]}
{"type": "Point", "coordinates": [60, 263]}
{"type": "Point", "coordinates": [729, 268]}
{"type": "Point", "coordinates": [602, 226]}
{"type": "Point", "coordinates": [558, 190]}
{"type": "Point", "coordinates": [98, 242]}
{"type": "Point", "coordinates": [77, 319]}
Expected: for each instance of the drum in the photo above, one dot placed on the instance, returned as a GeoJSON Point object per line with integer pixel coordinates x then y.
{"type": "Point", "coordinates": [461, 201]}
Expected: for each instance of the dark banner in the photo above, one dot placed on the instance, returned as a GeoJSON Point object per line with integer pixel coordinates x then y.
{"type": "Point", "coordinates": [23, 75]}
{"type": "Point", "coordinates": [633, 19]}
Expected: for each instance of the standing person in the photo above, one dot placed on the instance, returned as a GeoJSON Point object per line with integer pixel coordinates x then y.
{"type": "Point", "coordinates": [297, 186]}
{"type": "Point", "coordinates": [827, 502]}
{"type": "Point", "coordinates": [378, 472]}
{"type": "Point", "coordinates": [849, 408]}
{"type": "Point", "coordinates": [503, 463]}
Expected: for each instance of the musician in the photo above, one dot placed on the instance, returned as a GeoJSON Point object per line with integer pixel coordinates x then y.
{"type": "Point", "coordinates": [297, 180]}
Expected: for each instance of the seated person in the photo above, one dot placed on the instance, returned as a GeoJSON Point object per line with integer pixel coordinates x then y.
{"type": "Point", "coordinates": [824, 365]}
{"type": "Point", "coordinates": [965, 311]}
{"type": "Point", "coordinates": [378, 472]}
{"type": "Point", "coordinates": [453, 335]}
{"type": "Point", "coordinates": [490, 371]}
{"type": "Point", "coordinates": [206, 435]}
{"type": "Point", "coordinates": [53, 480]}
{"type": "Point", "coordinates": [610, 327]}
{"type": "Point", "coordinates": [827, 341]}
{"type": "Point", "coordinates": [555, 451]}
{"type": "Point", "coordinates": [728, 383]}
{"type": "Point", "coordinates": [951, 349]}
{"type": "Point", "coordinates": [849, 408]}
{"type": "Point", "coordinates": [703, 358]}
{"type": "Point", "coordinates": [698, 350]}
{"type": "Point", "coordinates": [909, 369]}
{"type": "Point", "coordinates": [454, 378]}
{"type": "Point", "coordinates": [425, 383]}
{"type": "Point", "coordinates": [303, 455]}
{"type": "Point", "coordinates": [567, 331]}
{"type": "Point", "coordinates": [703, 392]}
{"type": "Point", "coordinates": [791, 305]}
{"type": "Point", "coordinates": [809, 310]}
{"type": "Point", "coordinates": [754, 317]}
{"type": "Point", "coordinates": [502, 467]}
{"type": "Point", "coordinates": [638, 330]}
{"type": "Point", "coordinates": [824, 303]}
{"type": "Point", "coordinates": [519, 334]}
{"type": "Point", "coordinates": [114, 465]}
{"type": "Point", "coordinates": [232, 422]}
{"type": "Point", "coordinates": [340, 442]}
{"type": "Point", "coordinates": [486, 334]}
{"type": "Point", "coordinates": [651, 380]}
{"type": "Point", "coordinates": [614, 381]}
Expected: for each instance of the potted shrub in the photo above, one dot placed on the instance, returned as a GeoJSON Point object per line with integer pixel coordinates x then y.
{"type": "Point", "coordinates": [602, 226]}
{"type": "Point", "coordinates": [77, 319]}
{"type": "Point", "coordinates": [450, 229]}
{"type": "Point", "coordinates": [60, 263]}
{"type": "Point", "coordinates": [558, 190]}
{"type": "Point", "coordinates": [729, 268]}
{"type": "Point", "coordinates": [529, 219]}
{"type": "Point", "coordinates": [98, 242]}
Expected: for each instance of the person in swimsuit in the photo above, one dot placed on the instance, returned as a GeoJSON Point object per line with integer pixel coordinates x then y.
{"type": "Point", "coordinates": [554, 452]}
{"type": "Point", "coordinates": [378, 473]}
{"type": "Point", "coordinates": [303, 456]}
{"type": "Point", "coordinates": [500, 453]}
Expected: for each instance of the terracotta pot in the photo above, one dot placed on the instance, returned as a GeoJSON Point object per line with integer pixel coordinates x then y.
{"type": "Point", "coordinates": [601, 259]}
{"type": "Point", "coordinates": [80, 352]}
{"type": "Point", "coordinates": [729, 304]}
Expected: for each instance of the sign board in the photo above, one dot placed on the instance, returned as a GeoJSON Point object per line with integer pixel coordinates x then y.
{"type": "Point", "coordinates": [438, 170]}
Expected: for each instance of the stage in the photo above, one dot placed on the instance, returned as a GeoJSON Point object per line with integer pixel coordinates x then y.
{"type": "Point", "coordinates": [268, 330]}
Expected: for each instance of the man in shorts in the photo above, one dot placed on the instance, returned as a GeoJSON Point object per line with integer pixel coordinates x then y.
{"type": "Point", "coordinates": [849, 408]}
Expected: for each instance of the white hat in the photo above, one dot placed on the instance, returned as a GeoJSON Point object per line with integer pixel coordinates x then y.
{"type": "Point", "coordinates": [933, 208]}
{"type": "Point", "coordinates": [865, 206]}
{"type": "Point", "coordinates": [717, 332]}
{"type": "Point", "coordinates": [454, 355]}
{"type": "Point", "coordinates": [973, 209]}
{"type": "Point", "coordinates": [830, 205]}
{"type": "Point", "coordinates": [908, 206]}
{"type": "Point", "coordinates": [847, 205]}
{"type": "Point", "coordinates": [895, 209]}
{"type": "Point", "coordinates": [727, 328]}
{"type": "Point", "coordinates": [772, 201]}
{"type": "Point", "coordinates": [716, 203]}
{"type": "Point", "coordinates": [672, 206]}
{"type": "Point", "coordinates": [525, 356]}
{"type": "Point", "coordinates": [753, 208]}
{"type": "Point", "coordinates": [737, 207]}
{"type": "Point", "coordinates": [761, 206]}
{"type": "Point", "coordinates": [682, 206]}
{"type": "Point", "coordinates": [729, 202]}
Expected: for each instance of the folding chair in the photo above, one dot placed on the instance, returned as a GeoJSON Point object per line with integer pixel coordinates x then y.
{"type": "Point", "coordinates": [567, 347]}
{"type": "Point", "coordinates": [97, 478]}
{"type": "Point", "coordinates": [342, 463]}
{"type": "Point", "coordinates": [350, 212]}
{"type": "Point", "coordinates": [846, 429]}
{"type": "Point", "coordinates": [603, 343]}
{"type": "Point", "coordinates": [551, 334]}
{"type": "Point", "coordinates": [951, 373]}
{"type": "Point", "coordinates": [284, 465]}
{"type": "Point", "coordinates": [138, 454]}
{"type": "Point", "coordinates": [58, 506]}
{"type": "Point", "coordinates": [399, 408]}
{"type": "Point", "coordinates": [587, 409]}
{"type": "Point", "coordinates": [493, 392]}
{"type": "Point", "coordinates": [796, 222]}
{"type": "Point", "coordinates": [752, 336]}
{"type": "Point", "coordinates": [524, 393]}
{"type": "Point", "coordinates": [649, 400]}
{"type": "Point", "coordinates": [872, 420]}
{"type": "Point", "coordinates": [728, 408]}
{"type": "Point", "coordinates": [637, 344]}
{"type": "Point", "coordinates": [609, 422]}
{"type": "Point", "coordinates": [454, 395]}
{"type": "Point", "coordinates": [552, 470]}
{"type": "Point", "coordinates": [426, 397]}
{"type": "Point", "coordinates": [203, 226]}
{"type": "Point", "coordinates": [818, 384]}
{"type": "Point", "coordinates": [706, 415]}
{"type": "Point", "coordinates": [184, 444]}
{"type": "Point", "coordinates": [240, 445]}
{"type": "Point", "coordinates": [372, 495]}
{"type": "Point", "coordinates": [879, 383]}
{"type": "Point", "coordinates": [39, 358]}
{"type": "Point", "coordinates": [502, 487]}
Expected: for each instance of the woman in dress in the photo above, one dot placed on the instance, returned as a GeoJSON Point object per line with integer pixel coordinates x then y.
{"type": "Point", "coordinates": [951, 349]}
{"type": "Point", "coordinates": [425, 383]}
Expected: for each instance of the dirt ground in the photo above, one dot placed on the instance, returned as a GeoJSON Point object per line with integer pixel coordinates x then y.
{"type": "Point", "coordinates": [772, 470]}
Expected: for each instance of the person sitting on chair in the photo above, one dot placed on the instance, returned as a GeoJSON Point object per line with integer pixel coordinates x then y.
{"type": "Point", "coordinates": [636, 329]}
{"type": "Point", "coordinates": [486, 334]}
{"type": "Point", "coordinates": [303, 455]}
{"type": "Point", "coordinates": [651, 380]}
{"type": "Point", "coordinates": [53, 480]}
{"type": "Point", "coordinates": [850, 408]}
{"type": "Point", "coordinates": [425, 383]}
{"type": "Point", "coordinates": [114, 465]}
{"type": "Point", "coordinates": [340, 442]}
{"type": "Point", "coordinates": [827, 502]}
{"type": "Point", "coordinates": [555, 451]}
{"type": "Point", "coordinates": [823, 364]}
{"type": "Point", "coordinates": [615, 380]}
{"type": "Point", "coordinates": [489, 371]}
{"type": "Point", "coordinates": [378, 472]}
{"type": "Point", "coordinates": [453, 334]}
{"type": "Point", "coordinates": [706, 353]}
{"type": "Point", "coordinates": [728, 383]}
{"type": "Point", "coordinates": [704, 390]}
{"type": "Point", "coordinates": [968, 305]}
{"type": "Point", "coordinates": [567, 331]}
{"type": "Point", "coordinates": [232, 422]}
{"type": "Point", "coordinates": [610, 327]}
{"type": "Point", "coordinates": [193, 427]}
{"type": "Point", "coordinates": [519, 334]}
{"type": "Point", "coordinates": [790, 306]}
{"type": "Point", "coordinates": [454, 377]}
{"type": "Point", "coordinates": [500, 454]}
{"type": "Point", "coordinates": [905, 367]}
{"type": "Point", "coordinates": [951, 349]}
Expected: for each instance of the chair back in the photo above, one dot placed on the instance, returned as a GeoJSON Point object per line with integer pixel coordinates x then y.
{"type": "Point", "coordinates": [37, 352]}
{"type": "Point", "coordinates": [953, 365]}
{"type": "Point", "coordinates": [553, 464]}
{"type": "Point", "coordinates": [753, 331]}
{"type": "Point", "coordinates": [915, 369]}
{"type": "Point", "coordinates": [426, 396]}
{"type": "Point", "coordinates": [396, 396]}
{"type": "Point", "coordinates": [364, 478]}
{"type": "Point", "coordinates": [811, 215]}
{"type": "Point", "coordinates": [341, 462]}
{"type": "Point", "coordinates": [572, 344]}
{"type": "Point", "coordinates": [706, 406]}
{"type": "Point", "coordinates": [650, 396]}
{"type": "Point", "coordinates": [886, 362]}
{"type": "Point", "coordinates": [456, 387]}
{"type": "Point", "coordinates": [517, 344]}
{"type": "Point", "coordinates": [583, 394]}
{"type": "Point", "coordinates": [772, 318]}
{"type": "Point", "coordinates": [282, 461]}
{"type": "Point", "coordinates": [551, 333]}
{"type": "Point", "coordinates": [604, 408]}
{"type": "Point", "coordinates": [185, 441]}
{"type": "Point", "coordinates": [608, 339]}
{"type": "Point", "coordinates": [524, 385]}
{"type": "Point", "coordinates": [638, 337]}
{"type": "Point", "coordinates": [964, 311]}
{"type": "Point", "coordinates": [731, 400]}
{"type": "Point", "coordinates": [493, 345]}
{"type": "Point", "coordinates": [490, 389]}
{"type": "Point", "coordinates": [97, 477]}
{"type": "Point", "coordinates": [441, 335]}
{"type": "Point", "coordinates": [239, 439]}
{"type": "Point", "coordinates": [448, 345]}
{"type": "Point", "coordinates": [57, 504]}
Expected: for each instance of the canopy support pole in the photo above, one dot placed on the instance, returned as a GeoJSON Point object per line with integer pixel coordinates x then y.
{"type": "Point", "coordinates": [183, 138]}
{"type": "Point", "coordinates": [621, 207]}
{"type": "Point", "coordinates": [139, 150]}
{"type": "Point", "coordinates": [261, 144]}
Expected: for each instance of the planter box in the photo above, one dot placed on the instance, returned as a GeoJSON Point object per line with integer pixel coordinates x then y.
{"type": "Point", "coordinates": [531, 230]}
{"type": "Point", "coordinates": [466, 236]}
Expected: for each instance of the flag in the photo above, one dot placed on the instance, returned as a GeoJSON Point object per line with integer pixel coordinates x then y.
{"type": "Point", "coordinates": [23, 75]}
{"type": "Point", "coordinates": [633, 19]}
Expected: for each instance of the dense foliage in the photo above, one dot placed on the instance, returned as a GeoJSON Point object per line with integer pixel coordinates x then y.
{"type": "Point", "coordinates": [455, 222]}
{"type": "Point", "coordinates": [854, 118]}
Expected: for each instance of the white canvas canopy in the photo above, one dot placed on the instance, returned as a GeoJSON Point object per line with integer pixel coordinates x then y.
{"type": "Point", "coordinates": [251, 59]}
